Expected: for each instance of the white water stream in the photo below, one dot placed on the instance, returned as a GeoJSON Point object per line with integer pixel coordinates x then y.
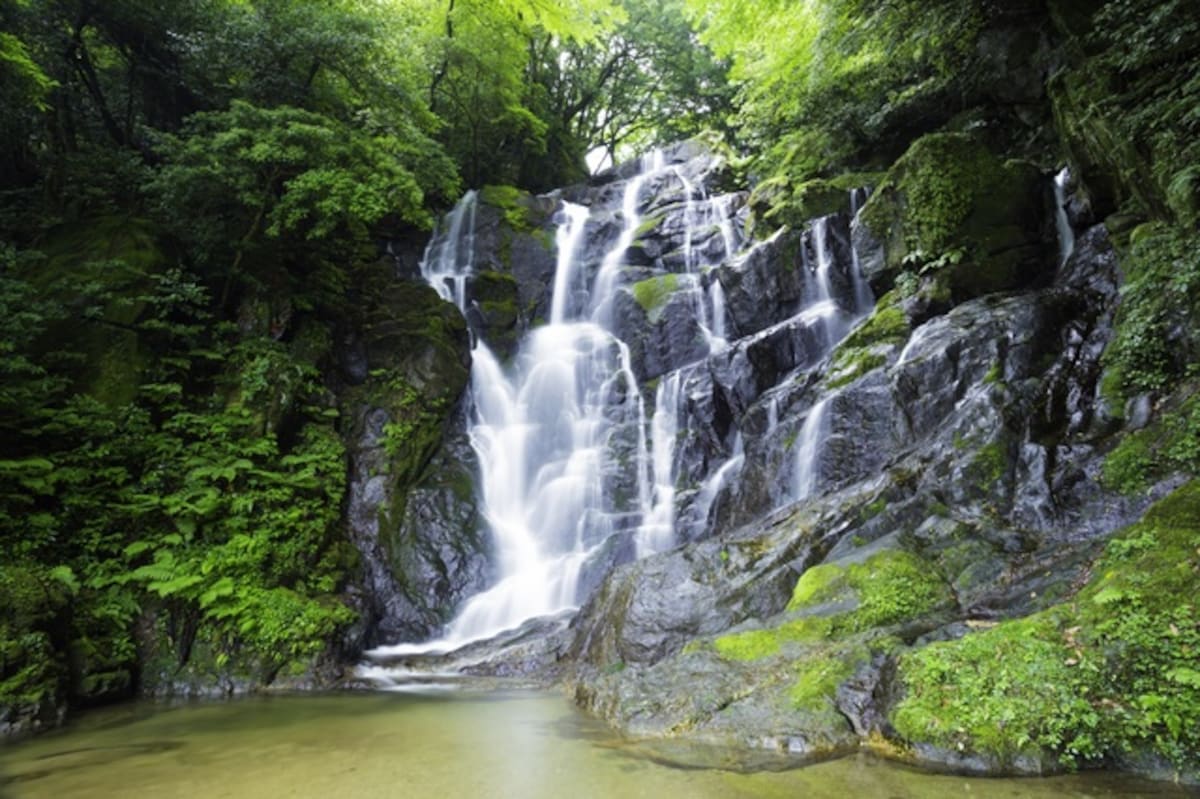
{"type": "Point", "coordinates": [1066, 236]}
{"type": "Point", "coordinates": [567, 454]}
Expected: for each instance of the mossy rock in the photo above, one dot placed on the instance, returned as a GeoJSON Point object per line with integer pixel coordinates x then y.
{"type": "Point", "coordinates": [33, 623]}
{"type": "Point", "coordinates": [812, 199]}
{"type": "Point", "coordinates": [841, 599]}
{"type": "Point", "coordinates": [521, 209]}
{"type": "Point", "coordinates": [1110, 673]}
{"type": "Point", "coordinates": [122, 254]}
{"type": "Point", "coordinates": [867, 346]}
{"type": "Point", "coordinates": [949, 205]}
{"type": "Point", "coordinates": [652, 293]}
{"type": "Point", "coordinates": [889, 587]}
{"type": "Point", "coordinates": [495, 295]}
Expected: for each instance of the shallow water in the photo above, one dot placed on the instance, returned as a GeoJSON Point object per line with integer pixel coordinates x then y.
{"type": "Point", "coordinates": [524, 746]}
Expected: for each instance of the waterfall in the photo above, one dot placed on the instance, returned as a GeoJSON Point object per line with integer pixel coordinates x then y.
{"type": "Point", "coordinates": [822, 305]}
{"type": "Point", "coordinates": [657, 531]}
{"type": "Point", "coordinates": [704, 215]}
{"type": "Point", "coordinates": [1066, 236]}
{"type": "Point", "coordinates": [808, 450]}
{"type": "Point", "coordinates": [610, 267]}
{"type": "Point", "coordinates": [864, 300]}
{"type": "Point", "coordinates": [450, 258]}
{"type": "Point", "coordinates": [570, 460]}
{"type": "Point", "coordinates": [707, 495]}
{"type": "Point", "coordinates": [566, 242]}
{"type": "Point", "coordinates": [716, 296]}
{"type": "Point", "coordinates": [548, 431]}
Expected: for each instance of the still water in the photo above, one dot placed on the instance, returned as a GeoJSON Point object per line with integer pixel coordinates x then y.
{"type": "Point", "coordinates": [523, 746]}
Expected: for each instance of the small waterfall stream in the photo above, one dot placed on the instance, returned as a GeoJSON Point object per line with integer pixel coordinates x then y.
{"type": "Point", "coordinates": [569, 455]}
{"type": "Point", "coordinates": [1066, 236]}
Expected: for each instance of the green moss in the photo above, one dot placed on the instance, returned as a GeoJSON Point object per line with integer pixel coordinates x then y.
{"type": "Point", "coordinates": [848, 181]}
{"type": "Point", "coordinates": [513, 203]}
{"type": "Point", "coordinates": [758, 644]}
{"type": "Point", "coordinates": [894, 586]}
{"type": "Point", "coordinates": [815, 198]}
{"type": "Point", "coordinates": [1155, 344]}
{"type": "Point", "coordinates": [819, 675]}
{"type": "Point", "coordinates": [950, 205]}
{"type": "Point", "coordinates": [822, 583]}
{"type": "Point", "coordinates": [649, 225]}
{"type": "Point", "coordinates": [990, 464]}
{"type": "Point", "coordinates": [750, 645]}
{"type": "Point", "coordinates": [865, 347]}
{"type": "Point", "coordinates": [1171, 443]}
{"type": "Point", "coordinates": [1112, 672]}
{"type": "Point", "coordinates": [652, 293]}
{"type": "Point", "coordinates": [873, 508]}
{"type": "Point", "coordinates": [891, 586]}
{"type": "Point", "coordinates": [887, 325]}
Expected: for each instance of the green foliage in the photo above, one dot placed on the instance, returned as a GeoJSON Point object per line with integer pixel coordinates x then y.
{"type": "Point", "coordinates": [182, 501]}
{"type": "Point", "coordinates": [822, 81]}
{"type": "Point", "coordinates": [268, 183]}
{"type": "Point", "coordinates": [1154, 347]}
{"type": "Point", "coordinates": [645, 81]}
{"type": "Point", "coordinates": [1112, 672]}
{"type": "Point", "coordinates": [1170, 444]}
{"type": "Point", "coordinates": [24, 81]}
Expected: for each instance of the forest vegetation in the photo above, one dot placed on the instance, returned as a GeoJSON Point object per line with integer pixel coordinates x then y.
{"type": "Point", "coordinates": [196, 195]}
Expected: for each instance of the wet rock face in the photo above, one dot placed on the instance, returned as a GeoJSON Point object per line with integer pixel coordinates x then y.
{"type": "Point", "coordinates": [957, 429]}
{"type": "Point", "coordinates": [407, 370]}
{"type": "Point", "coordinates": [970, 447]}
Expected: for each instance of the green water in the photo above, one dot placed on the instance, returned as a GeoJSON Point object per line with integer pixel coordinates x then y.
{"type": "Point", "coordinates": [523, 746]}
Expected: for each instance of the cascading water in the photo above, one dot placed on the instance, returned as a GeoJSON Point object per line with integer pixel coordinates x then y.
{"type": "Point", "coordinates": [1066, 236]}
{"type": "Point", "coordinates": [822, 306]}
{"type": "Point", "coordinates": [451, 258]}
{"type": "Point", "coordinates": [808, 450]}
{"type": "Point", "coordinates": [824, 309]}
{"type": "Point", "coordinates": [568, 455]}
{"type": "Point", "coordinates": [702, 214]}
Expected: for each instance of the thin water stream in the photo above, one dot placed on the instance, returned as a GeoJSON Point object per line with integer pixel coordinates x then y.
{"type": "Point", "coordinates": [518, 745]}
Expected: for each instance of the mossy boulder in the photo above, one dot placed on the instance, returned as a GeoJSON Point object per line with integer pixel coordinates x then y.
{"type": "Point", "coordinates": [520, 209]}
{"type": "Point", "coordinates": [413, 527]}
{"type": "Point", "coordinates": [779, 201]}
{"type": "Point", "coordinates": [495, 313]}
{"type": "Point", "coordinates": [1110, 674]}
{"type": "Point", "coordinates": [121, 254]}
{"type": "Point", "coordinates": [951, 206]}
{"type": "Point", "coordinates": [789, 685]}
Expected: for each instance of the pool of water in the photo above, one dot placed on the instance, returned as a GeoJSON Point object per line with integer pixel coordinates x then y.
{"type": "Point", "coordinates": [519, 745]}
